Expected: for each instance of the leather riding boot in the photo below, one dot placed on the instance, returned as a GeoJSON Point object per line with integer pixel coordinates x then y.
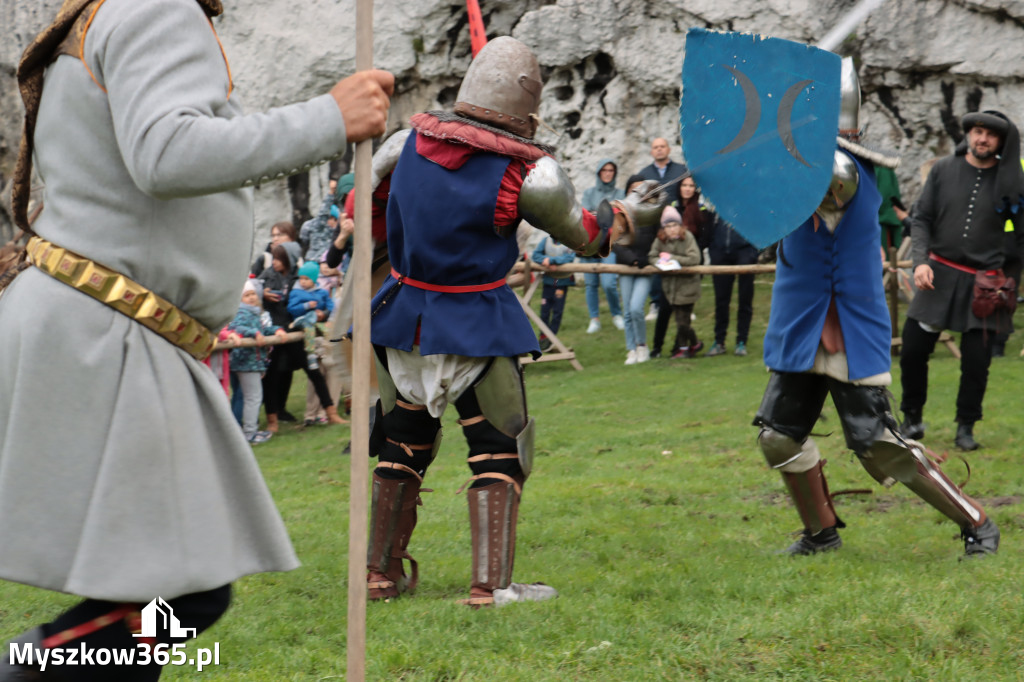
{"type": "Point", "coordinates": [393, 519]}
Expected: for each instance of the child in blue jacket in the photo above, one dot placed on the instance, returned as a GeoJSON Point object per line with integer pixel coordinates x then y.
{"type": "Point", "coordinates": [550, 254]}
{"type": "Point", "coordinates": [249, 364]}
{"type": "Point", "coordinates": [310, 305]}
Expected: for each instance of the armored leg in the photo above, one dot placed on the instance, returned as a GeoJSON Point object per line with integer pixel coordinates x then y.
{"type": "Point", "coordinates": [906, 462]}
{"type": "Point", "coordinates": [405, 439]}
{"type": "Point", "coordinates": [801, 467]}
{"type": "Point", "coordinates": [500, 438]}
{"type": "Point", "coordinates": [871, 431]}
{"type": "Point", "coordinates": [791, 405]}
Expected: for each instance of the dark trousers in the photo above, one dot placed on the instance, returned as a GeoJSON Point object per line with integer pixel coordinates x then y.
{"type": "Point", "coordinates": [277, 382]}
{"type": "Point", "coordinates": [723, 294]}
{"type": "Point", "coordinates": [552, 304]}
{"type": "Point", "coordinates": [236, 398]}
{"type": "Point", "coordinates": [661, 324]}
{"type": "Point", "coordinates": [975, 358]}
{"type": "Point", "coordinates": [199, 610]}
{"type": "Point", "coordinates": [685, 336]}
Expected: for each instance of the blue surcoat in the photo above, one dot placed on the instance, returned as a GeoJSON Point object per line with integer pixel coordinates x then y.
{"type": "Point", "coordinates": [441, 231]}
{"type": "Point", "coordinates": [844, 265]}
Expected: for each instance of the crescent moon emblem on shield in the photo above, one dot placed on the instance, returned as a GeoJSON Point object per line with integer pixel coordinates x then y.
{"type": "Point", "coordinates": [753, 112]}
{"type": "Point", "coordinates": [785, 119]}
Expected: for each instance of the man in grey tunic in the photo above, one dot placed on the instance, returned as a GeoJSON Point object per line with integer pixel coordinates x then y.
{"type": "Point", "coordinates": [958, 228]}
{"type": "Point", "coordinates": [123, 476]}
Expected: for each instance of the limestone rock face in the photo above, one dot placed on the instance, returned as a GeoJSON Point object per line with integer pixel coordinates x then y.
{"type": "Point", "coordinates": [611, 68]}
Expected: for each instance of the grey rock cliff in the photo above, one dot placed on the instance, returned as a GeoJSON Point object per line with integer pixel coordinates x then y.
{"type": "Point", "coordinates": [611, 68]}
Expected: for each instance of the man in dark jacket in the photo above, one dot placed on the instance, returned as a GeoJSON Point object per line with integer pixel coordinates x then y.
{"type": "Point", "coordinates": [664, 169]}
{"type": "Point", "coordinates": [958, 226]}
{"type": "Point", "coordinates": [727, 247]}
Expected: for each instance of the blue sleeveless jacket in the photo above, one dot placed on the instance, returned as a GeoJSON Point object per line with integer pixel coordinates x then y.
{"type": "Point", "coordinates": [845, 265]}
{"type": "Point", "coordinates": [441, 232]}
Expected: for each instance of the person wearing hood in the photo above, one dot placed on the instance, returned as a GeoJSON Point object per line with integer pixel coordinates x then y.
{"type": "Point", "coordinates": [603, 190]}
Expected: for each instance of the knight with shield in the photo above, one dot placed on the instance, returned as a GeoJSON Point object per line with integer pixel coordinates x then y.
{"type": "Point", "coordinates": [828, 330]}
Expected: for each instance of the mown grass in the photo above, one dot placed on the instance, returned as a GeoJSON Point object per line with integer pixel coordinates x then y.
{"type": "Point", "coordinates": [653, 513]}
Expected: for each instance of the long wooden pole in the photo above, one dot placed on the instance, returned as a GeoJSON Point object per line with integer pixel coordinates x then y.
{"type": "Point", "coordinates": [362, 259]}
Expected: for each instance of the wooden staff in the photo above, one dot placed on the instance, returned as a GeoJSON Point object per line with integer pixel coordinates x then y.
{"type": "Point", "coordinates": [362, 259]}
{"type": "Point", "coordinates": [894, 299]}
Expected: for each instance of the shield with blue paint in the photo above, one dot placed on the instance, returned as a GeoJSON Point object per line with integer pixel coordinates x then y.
{"type": "Point", "coordinates": [759, 118]}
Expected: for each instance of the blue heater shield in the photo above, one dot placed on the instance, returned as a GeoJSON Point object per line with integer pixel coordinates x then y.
{"type": "Point", "coordinates": [759, 118]}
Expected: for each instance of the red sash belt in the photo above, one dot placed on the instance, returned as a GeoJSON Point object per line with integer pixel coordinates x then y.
{"type": "Point", "coordinates": [956, 266]}
{"type": "Point", "coordinates": [445, 288]}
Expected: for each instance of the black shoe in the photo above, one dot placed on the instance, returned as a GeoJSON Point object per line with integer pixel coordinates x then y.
{"type": "Point", "coordinates": [286, 416]}
{"type": "Point", "coordinates": [965, 437]}
{"type": "Point", "coordinates": [998, 351]}
{"type": "Point", "coordinates": [655, 354]}
{"type": "Point", "coordinates": [545, 345]}
{"type": "Point", "coordinates": [912, 427]}
{"type": "Point", "coordinates": [823, 541]}
{"type": "Point", "coordinates": [982, 540]}
{"type": "Point", "coordinates": [11, 672]}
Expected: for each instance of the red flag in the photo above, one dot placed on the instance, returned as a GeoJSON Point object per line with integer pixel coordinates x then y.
{"type": "Point", "coordinates": [477, 36]}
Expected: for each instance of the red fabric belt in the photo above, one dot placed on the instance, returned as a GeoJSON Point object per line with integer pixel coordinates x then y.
{"type": "Point", "coordinates": [87, 628]}
{"type": "Point", "coordinates": [447, 289]}
{"type": "Point", "coordinates": [956, 266]}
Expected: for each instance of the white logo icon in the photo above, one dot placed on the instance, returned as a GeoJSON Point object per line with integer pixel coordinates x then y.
{"type": "Point", "coordinates": [158, 614]}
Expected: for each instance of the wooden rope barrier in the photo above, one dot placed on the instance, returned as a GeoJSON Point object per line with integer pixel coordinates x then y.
{"type": "Point", "coordinates": [570, 268]}
{"type": "Point", "coordinates": [268, 340]}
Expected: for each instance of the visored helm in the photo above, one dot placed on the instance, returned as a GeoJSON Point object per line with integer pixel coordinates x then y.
{"type": "Point", "coordinates": [502, 87]}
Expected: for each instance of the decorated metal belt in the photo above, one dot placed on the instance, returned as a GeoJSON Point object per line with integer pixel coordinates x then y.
{"type": "Point", "coordinates": [123, 295]}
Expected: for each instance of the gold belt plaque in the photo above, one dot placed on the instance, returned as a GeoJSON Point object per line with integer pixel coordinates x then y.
{"type": "Point", "coordinates": [123, 295]}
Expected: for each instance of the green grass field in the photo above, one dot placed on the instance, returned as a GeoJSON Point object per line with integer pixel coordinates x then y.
{"type": "Point", "coordinates": [652, 511]}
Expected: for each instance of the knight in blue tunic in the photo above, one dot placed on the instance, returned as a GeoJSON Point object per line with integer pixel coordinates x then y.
{"type": "Point", "coordinates": [829, 333]}
{"type": "Point", "coordinates": [445, 326]}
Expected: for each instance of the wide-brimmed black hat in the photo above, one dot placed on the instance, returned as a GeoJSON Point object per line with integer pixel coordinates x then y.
{"type": "Point", "coordinates": [993, 120]}
{"type": "Point", "coordinates": [1008, 191]}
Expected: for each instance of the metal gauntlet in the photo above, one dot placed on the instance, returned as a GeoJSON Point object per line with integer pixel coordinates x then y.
{"type": "Point", "coordinates": [548, 202]}
{"type": "Point", "coordinates": [640, 209]}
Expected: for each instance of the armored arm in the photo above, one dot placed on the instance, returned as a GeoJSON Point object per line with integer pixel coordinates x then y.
{"type": "Point", "coordinates": [547, 201]}
{"type": "Point", "coordinates": [386, 156]}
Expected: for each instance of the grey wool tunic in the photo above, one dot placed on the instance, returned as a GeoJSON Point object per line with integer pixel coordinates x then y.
{"type": "Point", "coordinates": [123, 475]}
